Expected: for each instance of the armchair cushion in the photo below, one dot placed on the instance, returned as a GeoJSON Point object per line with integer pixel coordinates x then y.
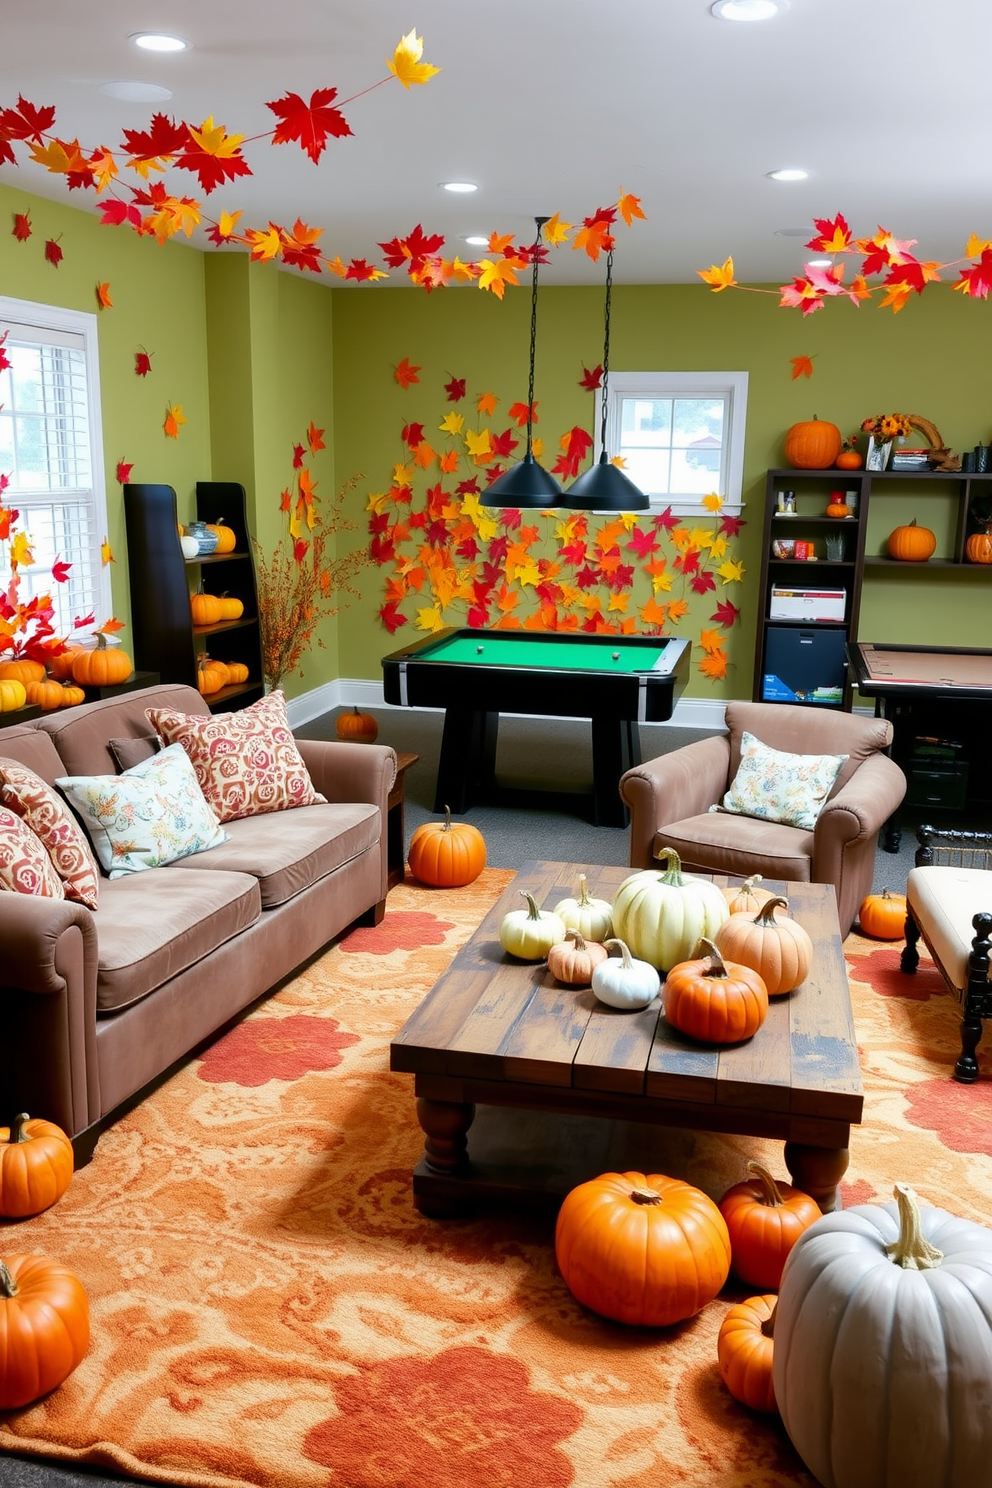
{"type": "Point", "coordinates": [738, 845]}
{"type": "Point", "coordinates": [780, 787]}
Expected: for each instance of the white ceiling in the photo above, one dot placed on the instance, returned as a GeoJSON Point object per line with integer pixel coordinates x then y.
{"type": "Point", "coordinates": [553, 105]}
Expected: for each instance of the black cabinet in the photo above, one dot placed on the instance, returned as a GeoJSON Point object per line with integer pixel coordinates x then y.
{"type": "Point", "coordinates": [162, 582]}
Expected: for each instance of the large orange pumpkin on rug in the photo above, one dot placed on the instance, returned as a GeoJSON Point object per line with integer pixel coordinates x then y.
{"type": "Point", "coordinates": [447, 854]}
{"type": "Point", "coordinates": [814, 445]}
{"type": "Point", "coordinates": [44, 1327]}
{"type": "Point", "coordinates": [642, 1248]}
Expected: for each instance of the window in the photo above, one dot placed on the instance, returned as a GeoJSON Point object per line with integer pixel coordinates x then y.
{"type": "Point", "coordinates": [681, 435]}
{"type": "Point", "coordinates": [52, 451]}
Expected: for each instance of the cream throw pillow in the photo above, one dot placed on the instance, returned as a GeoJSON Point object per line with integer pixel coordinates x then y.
{"type": "Point", "coordinates": [779, 787]}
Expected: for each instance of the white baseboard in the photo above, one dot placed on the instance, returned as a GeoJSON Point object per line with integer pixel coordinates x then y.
{"type": "Point", "coordinates": [348, 692]}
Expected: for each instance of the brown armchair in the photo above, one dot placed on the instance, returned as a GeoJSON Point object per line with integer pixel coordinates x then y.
{"type": "Point", "coordinates": [669, 800]}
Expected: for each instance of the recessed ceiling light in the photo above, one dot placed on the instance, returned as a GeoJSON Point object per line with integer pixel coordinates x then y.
{"type": "Point", "coordinates": [155, 41]}
{"type": "Point", "coordinates": [748, 10]}
{"type": "Point", "coordinates": [789, 173]}
{"type": "Point", "coordinates": [459, 186]}
{"type": "Point", "coordinates": [130, 92]}
{"type": "Point", "coordinates": [477, 242]}
{"type": "Point", "coordinates": [819, 263]}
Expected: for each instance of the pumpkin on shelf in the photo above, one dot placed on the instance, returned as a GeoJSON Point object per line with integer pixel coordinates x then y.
{"type": "Point", "coordinates": [211, 675]}
{"type": "Point", "coordinates": [912, 543]}
{"type": "Point", "coordinates": [226, 540]}
{"type": "Point", "coordinates": [573, 960]}
{"type": "Point", "coordinates": [813, 445]}
{"type": "Point", "coordinates": [883, 916]}
{"type": "Point", "coordinates": [21, 669]}
{"type": "Point", "coordinates": [837, 506]}
{"type": "Point", "coordinates": [780, 951]}
{"type": "Point", "coordinates": [205, 608]}
{"type": "Point", "coordinates": [238, 671]}
{"type": "Point", "coordinates": [765, 1219]}
{"type": "Point", "coordinates": [714, 1001]}
{"type": "Point", "coordinates": [357, 727]}
{"type": "Point", "coordinates": [593, 918]}
{"type": "Point", "coordinates": [745, 1350]}
{"type": "Point", "coordinates": [45, 694]}
{"type": "Point", "coordinates": [60, 667]}
{"type": "Point", "coordinates": [36, 1164]}
{"type": "Point", "coordinates": [102, 666]}
{"type": "Point", "coordinates": [72, 695]}
{"type": "Point", "coordinates": [447, 855]}
{"type": "Point", "coordinates": [627, 984]}
{"type": "Point", "coordinates": [12, 695]}
{"type": "Point", "coordinates": [662, 915]}
{"type": "Point", "coordinates": [978, 548]}
{"type": "Point", "coordinates": [230, 607]}
{"type": "Point", "coordinates": [45, 1323]}
{"type": "Point", "coordinates": [641, 1248]}
{"type": "Point", "coordinates": [883, 1347]}
{"type": "Point", "coordinates": [530, 933]}
{"type": "Point", "coordinates": [849, 459]}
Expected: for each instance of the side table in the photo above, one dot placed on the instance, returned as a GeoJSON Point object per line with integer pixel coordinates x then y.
{"type": "Point", "coordinates": [395, 841]}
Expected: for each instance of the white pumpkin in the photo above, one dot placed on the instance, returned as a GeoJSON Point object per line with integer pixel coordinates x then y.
{"type": "Point", "coordinates": [530, 933]}
{"type": "Point", "coordinates": [662, 915]}
{"type": "Point", "coordinates": [592, 918]}
{"type": "Point", "coordinates": [883, 1348]}
{"type": "Point", "coordinates": [625, 982]}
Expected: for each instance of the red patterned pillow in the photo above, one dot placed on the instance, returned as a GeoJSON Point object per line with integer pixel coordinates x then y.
{"type": "Point", "coordinates": [247, 763]}
{"type": "Point", "coordinates": [45, 813]}
{"type": "Point", "coordinates": [25, 867]}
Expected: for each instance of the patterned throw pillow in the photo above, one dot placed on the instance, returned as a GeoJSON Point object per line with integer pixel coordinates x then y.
{"type": "Point", "coordinates": [148, 816]}
{"type": "Point", "coordinates": [779, 787]}
{"type": "Point", "coordinates": [25, 867]}
{"type": "Point", "coordinates": [247, 762]}
{"type": "Point", "coordinates": [42, 810]}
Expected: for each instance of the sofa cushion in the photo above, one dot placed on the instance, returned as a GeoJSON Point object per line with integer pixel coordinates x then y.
{"type": "Point", "coordinates": [152, 926]}
{"type": "Point", "coordinates": [779, 787]}
{"type": "Point", "coordinates": [33, 748]}
{"type": "Point", "coordinates": [25, 867]}
{"type": "Point", "coordinates": [130, 752]}
{"type": "Point", "coordinates": [247, 762]}
{"type": "Point", "coordinates": [290, 851]}
{"type": "Point", "coordinates": [81, 736]}
{"type": "Point", "coordinates": [43, 810]}
{"type": "Point", "coordinates": [720, 843]}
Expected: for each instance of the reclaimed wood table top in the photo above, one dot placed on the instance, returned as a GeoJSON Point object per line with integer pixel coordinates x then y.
{"type": "Point", "coordinates": [496, 1029]}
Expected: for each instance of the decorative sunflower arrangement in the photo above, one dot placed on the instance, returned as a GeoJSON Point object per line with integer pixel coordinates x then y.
{"type": "Point", "coordinates": [885, 426]}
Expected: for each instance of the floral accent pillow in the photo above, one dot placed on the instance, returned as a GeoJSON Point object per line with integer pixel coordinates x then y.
{"type": "Point", "coordinates": [247, 762]}
{"type": "Point", "coordinates": [25, 867]}
{"type": "Point", "coordinates": [147, 816]}
{"type": "Point", "coordinates": [780, 787]}
{"type": "Point", "coordinates": [43, 810]}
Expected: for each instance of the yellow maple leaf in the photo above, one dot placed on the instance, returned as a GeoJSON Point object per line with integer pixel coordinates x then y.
{"type": "Point", "coordinates": [487, 528]}
{"type": "Point", "coordinates": [264, 245]}
{"type": "Point", "coordinates": [402, 475]}
{"type": "Point", "coordinates": [629, 207]}
{"type": "Point", "coordinates": [336, 266]}
{"type": "Point", "coordinates": [732, 572]}
{"type": "Point", "coordinates": [661, 583]}
{"type": "Point", "coordinates": [478, 444]}
{"type": "Point", "coordinates": [406, 64]}
{"type": "Point", "coordinates": [700, 537]}
{"type": "Point", "coordinates": [228, 222]}
{"type": "Point", "coordinates": [487, 404]}
{"type": "Point", "coordinates": [718, 546]}
{"type": "Point", "coordinates": [719, 276]}
{"type": "Point", "coordinates": [896, 295]}
{"type": "Point", "coordinates": [496, 276]}
{"type": "Point", "coordinates": [618, 602]}
{"type": "Point", "coordinates": [527, 573]}
{"type": "Point", "coordinates": [215, 140]}
{"type": "Point", "coordinates": [976, 246]}
{"type": "Point", "coordinates": [537, 446]}
{"type": "Point", "coordinates": [430, 619]}
{"type": "Point", "coordinates": [104, 168]}
{"type": "Point", "coordinates": [59, 157]}
{"type": "Point", "coordinates": [461, 272]}
{"type": "Point", "coordinates": [629, 520]}
{"type": "Point", "coordinates": [711, 640]}
{"type": "Point", "coordinates": [713, 502]}
{"type": "Point", "coordinates": [174, 420]}
{"type": "Point", "coordinates": [378, 501]}
{"type": "Point", "coordinates": [182, 214]}
{"type": "Point", "coordinates": [556, 231]}
{"type": "Point", "coordinates": [106, 554]}
{"type": "Point", "coordinates": [452, 423]}
{"type": "Point", "coordinates": [21, 555]}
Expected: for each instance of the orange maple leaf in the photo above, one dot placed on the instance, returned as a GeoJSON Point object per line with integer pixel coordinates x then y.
{"type": "Point", "coordinates": [676, 609]}
{"type": "Point", "coordinates": [802, 366]}
{"type": "Point", "coordinates": [103, 296]}
{"type": "Point", "coordinates": [594, 238]}
{"type": "Point", "coordinates": [405, 373]}
{"type": "Point", "coordinates": [518, 412]}
{"type": "Point", "coordinates": [487, 404]}
{"type": "Point", "coordinates": [315, 438]}
{"type": "Point", "coordinates": [424, 455]}
{"type": "Point", "coordinates": [449, 461]}
{"type": "Point", "coordinates": [174, 419]}
{"type": "Point", "coordinates": [110, 627]}
{"type": "Point", "coordinates": [714, 665]}
{"type": "Point", "coordinates": [719, 276]}
{"type": "Point", "coordinates": [629, 207]}
{"type": "Point", "coordinates": [711, 640]}
{"type": "Point", "coordinates": [654, 613]}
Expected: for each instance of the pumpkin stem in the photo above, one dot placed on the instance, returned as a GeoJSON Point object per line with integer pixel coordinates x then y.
{"type": "Point", "coordinates": [645, 1196]}
{"type": "Point", "coordinates": [580, 944]}
{"type": "Point", "coordinates": [912, 1250]}
{"type": "Point", "coordinates": [716, 967]}
{"type": "Point", "coordinates": [533, 913]}
{"type": "Point", "coordinates": [584, 900]}
{"type": "Point", "coordinates": [766, 914]}
{"type": "Point", "coordinates": [772, 1194]}
{"type": "Point", "coordinates": [768, 1326]}
{"type": "Point", "coordinates": [624, 952]}
{"type": "Point", "coordinates": [17, 1132]}
{"type": "Point", "coordinates": [447, 814]}
{"type": "Point", "coordinates": [673, 867]}
{"type": "Point", "coordinates": [8, 1286]}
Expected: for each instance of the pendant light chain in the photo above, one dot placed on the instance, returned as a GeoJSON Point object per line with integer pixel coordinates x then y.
{"type": "Point", "coordinates": [605, 386]}
{"type": "Point", "coordinates": [533, 330]}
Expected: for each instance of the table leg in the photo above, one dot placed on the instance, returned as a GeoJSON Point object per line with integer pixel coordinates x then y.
{"type": "Point", "coordinates": [616, 747]}
{"type": "Point", "coordinates": [467, 763]}
{"type": "Point", "coordinates": [818, 1171]}
{"type": "Point", "coordinates": [445, 1126]}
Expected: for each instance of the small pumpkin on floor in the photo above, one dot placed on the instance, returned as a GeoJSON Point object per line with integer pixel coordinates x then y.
{"type": "Point", "coordinates": [36, 1164]}
{"type": "Point", "coordinates": [745, 1349]}
{"type": "Point", "coordinates": [883, 916]}
{"type": "Point", "coordinates": [357, 727]}
{"type": "Point", "coordinates": [45, 1325]}
{"type": "Point", "coordinates": [447, 855]}
{"type": "Point", "coordinates": [765, 1219]}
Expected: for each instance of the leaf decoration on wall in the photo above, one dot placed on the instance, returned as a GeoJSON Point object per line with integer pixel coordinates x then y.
{"type": "Point", "coordinates": [123, 471]}
{"type": "Point", "coordinates": [802, 366]}
{"type": "Point", "coordinates": [406, 374]}
{"type": "Point", "coordinates": [103, 300]}
{"type": "Point", "coordinates": [22, 224]}
{"type": "Point", "coordinates": [53, 253]}
{"type": "Point", "coordinates": [174, 420]}
{"type": "Point", "coordinates": [106, 553]}
{"type": "Point", "coordinates": [142, 362]}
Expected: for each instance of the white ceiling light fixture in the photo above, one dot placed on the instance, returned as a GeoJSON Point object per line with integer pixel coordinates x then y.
{"type": "Point", "coordinates": [477, 242]}
{"type": "Point", "coordinates": [788, 173]}
{"type": "Point", "coordinates": [132, 92]}
{"type": "Point", "coordinates": [819, 263]}
{"type": "Point", "coordinates": [157, 41]}
{"type": "Point", "coordinates": [748, 10]}
{"type": "Point", "coordinates": [461, 187]}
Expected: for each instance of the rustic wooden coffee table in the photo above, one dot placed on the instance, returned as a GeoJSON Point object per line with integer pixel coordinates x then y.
{"type": "Point", "coordinates": [567, 1088]}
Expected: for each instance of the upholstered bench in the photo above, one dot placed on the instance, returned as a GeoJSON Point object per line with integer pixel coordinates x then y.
{"type": "Point", "coordinates": [950, 906]}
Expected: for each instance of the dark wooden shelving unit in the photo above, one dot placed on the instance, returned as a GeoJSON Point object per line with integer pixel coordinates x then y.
{"type": "Point", "coordinates": [162, 581]}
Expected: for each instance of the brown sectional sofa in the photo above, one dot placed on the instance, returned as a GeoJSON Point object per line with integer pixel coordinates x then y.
{"type": "Point", "coordinates": [96, 1004]}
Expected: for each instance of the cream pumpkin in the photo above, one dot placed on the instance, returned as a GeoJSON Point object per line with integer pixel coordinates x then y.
{"type": "Point", "coordinates": [662, 916]}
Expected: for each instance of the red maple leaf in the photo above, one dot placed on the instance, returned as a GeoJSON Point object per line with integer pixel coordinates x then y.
{"type": "Point", "coordinates": [26, 122]}
{"type": "Point", "coordinates": [587, 578]}
{"type": "Point", "coordinates": [297, 456]}
{"type": "Point", "coordinates": [591, 378]}
{"type": "Point", "coordinates": [81, 620]}
{"type": "Point", "coordinates": [412, 434]}
{"type": "Point", "coordinates": [688, 562]}
{"type": "Point", "coordinates": [116, 212]}
{"type": "Point", "coordinates": [22, 226]}
{"type": "Point", "coordinates": [642, 543]}
{"type": "Point", "coordinates": [468, 549]}
{"type": "Point", "coordinates": [300, 549]}
{"type": "Point", "coordinates": [405, 374]}
{"type": "Point", "coordinates": [469, 487]}
{"type": "Point", "coordinates": [124, 471]}
{"type": "Point", "coordinates": [360, 269]}
{"type": "Point", "coordinates": [308, 123]}
{"type": "Point", "coordinates": [478, 617]}
{"type": "Point", "coordinates": [60, 571]}
{"type": "Point", "coordinates": [163, 138]}
{"type": "Point", "coordinates": [730, 526]}
{"type": "Point", "coordinates": [665, 519]}
{"type": "Point", "coordinates": [503, 444]}
{"type": "Point", "coordinates": [211, 170]}
{"type": "Point", "coordinates": [978, 277]}
{"type": "Point", "coordinates": [832, 235]}
{"type": "Point", "coordinates": [510, 519]}
{"type": "Point", "coordinates": [142, 363]}
{"type": "Point", "coordinates": [53, 253]}
{"type": "Point", "coordinates": [573, 553]}
{"type": "Point", "coordinates": [726, 613]}
{"type": "Point", "coordinates": [703, 582]}
{"type": "Point", "coordinates": [455, 389]}
{"type": "Point", "coordinates": [411, 250]}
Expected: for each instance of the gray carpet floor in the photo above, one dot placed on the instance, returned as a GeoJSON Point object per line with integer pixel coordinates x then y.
{"type": "Point", "coordinates": [554, 756]}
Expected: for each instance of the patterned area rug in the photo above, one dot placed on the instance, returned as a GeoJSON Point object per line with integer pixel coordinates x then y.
{"type": "Point", "coordinates": [269, 1308]}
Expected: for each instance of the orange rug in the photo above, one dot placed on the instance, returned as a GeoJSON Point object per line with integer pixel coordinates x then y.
{"type": "Point", "coordinates": [269, 1308]}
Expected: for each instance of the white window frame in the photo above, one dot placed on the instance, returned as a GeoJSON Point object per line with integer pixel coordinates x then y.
{"type": "Point", "coordinates": [24, 317]}
{"type": "Point", "coordinates": [731, 386]}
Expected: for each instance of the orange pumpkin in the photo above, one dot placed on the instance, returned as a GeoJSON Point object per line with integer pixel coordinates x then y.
{"type": "Point", "coordinates": [231, 608]}
{"type": "Point", "coordinates": [238, 671]}
{"type": "Point", "coordinates": [45, 694]}
{"type": "Point", "coordinates": [447, 854]}
{"type": "Point", "coordinates": [103, 666]}
{"type": "Point", "coordinates": [883, 916]}
{"type": "Point", "coordinates": [205, 609]}
{"type": "Point", "coordinates": [912, 544]}
{"type": "Point", "coordinates": [745, 1350]}
{"type": "Point", "coordinates": [747, 898]}
{"type": "Point", "coordinates": [714, 1002]}
{"type": "Point", "coordinates": [226, 540]}
{"type": "Point", "coordinates": [21, 670]}
{"type": "Point", "coordinates": [849, 460]}
{"type": "Point", "coordinates": [780, 951]}
{"type": "Point", "coordinates": [837, 506]}
{"type": "Point", "coordinates": [574, 959]}
{"type": "Point", "coordinates": [36, 1165]}
{"type": "Point", "coordinates": [45, 1325]}
{"type": "Point", "coordinates": [211, 675]}
{"type": "Point", "coordinates": [978, 548]}
{"type": "Point", "coordinates": [60, 667]}
{"type": "Point", "coordinates": [642, 1248]}
{"type": "Point", "coordinates": [357, 728]}
{"type": "Point", "coordinates": [764, 1221]}
{"type": "Point", "coordinates": [71, 695]}
{"type": "Point", "coordinates": [814, 445]}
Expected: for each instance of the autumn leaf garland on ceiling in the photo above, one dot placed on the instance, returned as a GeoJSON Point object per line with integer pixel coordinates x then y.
{"type": "Point", "coordinates": [884, 257]}
{"type": "Point", "coordinates": [450, 560]}
{"type": "Point", "coordinates": [216, 158]}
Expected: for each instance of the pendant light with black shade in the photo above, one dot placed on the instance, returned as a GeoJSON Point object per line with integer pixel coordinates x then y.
{"type": "Point", "coordinates": [527, 484]}
{"type": "Point", "coordinates": [604, 486]}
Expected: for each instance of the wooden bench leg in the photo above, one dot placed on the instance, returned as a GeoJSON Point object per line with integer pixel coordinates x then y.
{"type": "Point", "coordinates": [977, 1000]}
{"type": "Point", "coordinates": [910, 958]}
